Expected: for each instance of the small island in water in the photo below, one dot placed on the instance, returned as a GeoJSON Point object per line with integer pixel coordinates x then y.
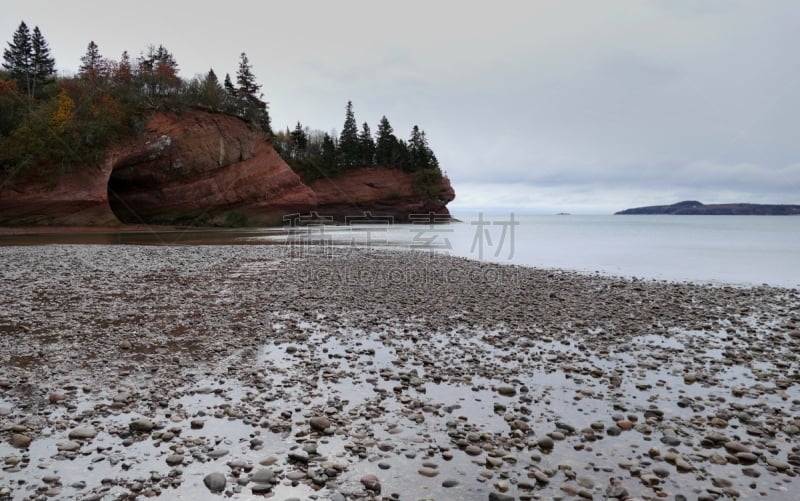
{"type": "Point", "coordinates": [695, 208]}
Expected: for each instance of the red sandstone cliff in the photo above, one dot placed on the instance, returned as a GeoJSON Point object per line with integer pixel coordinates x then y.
{"type": "Point", "coordinates": [379, 190]}
{"type": "Point", "coordinates": [201, 168]}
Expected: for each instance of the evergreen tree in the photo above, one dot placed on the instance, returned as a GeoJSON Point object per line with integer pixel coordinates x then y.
{"type": "Point", "coordinates": [247, 97]}
{"type": "Point", "coordinates": [18, 56]}
{"type": "Point", "coordinates": [433, 162]}
{"type": "Point", "coordinates": [384, 144]}
{"type": "Point", "coordinates": [328, 152]}
{"type": "Point", "coordinates": [211, 92]}
{"type": "Point", "coordinates": [229, 88]}
{"type": "Point", "coordinates": [43, 66]}
{"type": "Point", "coordinates": [211, 78]}
{"type": "Point", "coordinates": [299, 140]}
{"type": "Point", "coordinates": [348, 140]}
{"type": "Point", "coordinates": [401, 157]}
{"type": "Point", "coordinates": [418, 152]}
{"type": "Point", "coordinates": [366, 145]}
{"type": "Point", "coordinates": [27, 59]}
{"type": "Point", "coordinates": [91, 62]}
{"type": "Point", "coordinates": [245, 78]}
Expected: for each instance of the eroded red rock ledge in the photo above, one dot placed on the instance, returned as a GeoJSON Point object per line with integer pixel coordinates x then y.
{"type": "Point", "coordinates": [204, 168]}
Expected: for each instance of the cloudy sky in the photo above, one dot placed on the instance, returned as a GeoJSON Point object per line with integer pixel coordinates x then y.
{"type": "Point", "coordinates": [533, 106]}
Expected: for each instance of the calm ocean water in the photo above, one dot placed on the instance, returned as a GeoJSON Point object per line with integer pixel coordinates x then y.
{"type": "Point", "coordinates": [742, 250]}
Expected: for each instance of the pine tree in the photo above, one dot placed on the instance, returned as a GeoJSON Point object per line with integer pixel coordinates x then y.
{"type": "Point", "coordinates": [384, 144]}
{"type": "Point", "coordinates": [401, 158]}
{"type": "Point", "coordinates": [419, 154]}
{"type": "Point", "coordinates": [211, 77]}
{"type": "Point", "coordinates": [366, 145]}
{"type": "Point", "coordinates": [433, 162]}
{"type": "Point", "coordinates": [17, 58]}
{"type": "Point", "coordinates": [211, 92]}
{"type": "Point", "coordinates": [28, 59]}
{"type": "Point", "coordinates": [299, 140]}
{"type": "Point", "coordinates": [245, 78]}
{"type": "Point", "coordinates": [229, 85]}
{"type": "Point", "coordinates": [328, 152]}
{"type": "Point", "coordinates": [92, 65]}
{"type": "Point", "coordinates": [43, 65]}
{"type": "Point", "coordinates": [348, 140]}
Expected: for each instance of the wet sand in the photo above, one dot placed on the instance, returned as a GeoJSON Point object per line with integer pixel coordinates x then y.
{"type": "Point", "coordinates": [136, 371]}
{"type": "Point", "coordinates": [135, 235]}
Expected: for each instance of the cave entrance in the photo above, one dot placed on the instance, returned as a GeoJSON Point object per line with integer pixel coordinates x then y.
{"type": "Point", "coordinates": [116, 200]}
{"type": "Point", "coordinates": [128, 192]}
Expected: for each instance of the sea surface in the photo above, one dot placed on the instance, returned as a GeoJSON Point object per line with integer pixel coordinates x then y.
{"type": "Point", "coordinates": [736, 250]}
{"type": "Point", "coordinates": [740, 250]}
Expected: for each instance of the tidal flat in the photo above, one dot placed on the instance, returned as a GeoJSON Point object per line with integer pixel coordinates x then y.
{"type": "Point", "coordinates": [253, 371]}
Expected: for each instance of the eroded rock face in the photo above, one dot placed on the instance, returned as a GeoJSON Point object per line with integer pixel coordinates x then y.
{"type": "Point", "coordinates": [205, 168]}
{"type": "Point", "coordinates": [77, 199]}
{"type": "Point", "coordinates": [199, 168]}
{"type": "Point", "coordinates": [381, 191]}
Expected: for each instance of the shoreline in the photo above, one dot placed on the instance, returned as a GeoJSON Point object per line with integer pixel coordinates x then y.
{"type": "Point", "coordinates": [38, 230]}
{"type": "Point", "coordinates": [211, 236]}
{"type": "Point", "coordinates": [478, 381]}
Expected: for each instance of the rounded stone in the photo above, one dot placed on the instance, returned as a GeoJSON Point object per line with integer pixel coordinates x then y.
{"type": "Point", "coordinates": [506, 391]}
{"type": "Point", "coordinates": [83, 433]}
{"type": "Point", "coordinates": [263, 476]}
{"type": "Point", "coordinates": [296, 475]}
{"type": "Point", "coordinates": [68, 446]}
{"type": "Point", "coordinates": [371, 483]}
{"type": "Point", "coordinates": [20, 441]}
{"type": "Point", "coordinates": [473, 450]}
{"type": "Point", "coordinates": [217, 453]}
{"type": "Point", "coordinates": [546, 443]}
{"type": "Point", "coordinates": [428, 472]}
{"type": "Point", "coordinates": [319, 423]}
{"type": "Point", "coordinates": [142, 425]}
{"type": "Point", "coordinates": [215, 482]}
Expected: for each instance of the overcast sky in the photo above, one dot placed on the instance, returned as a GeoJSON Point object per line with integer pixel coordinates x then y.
{"type": "Point", "coordinates": [533, 106]}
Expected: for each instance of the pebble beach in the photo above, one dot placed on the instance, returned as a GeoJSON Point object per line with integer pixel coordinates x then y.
{"type": "Point", "coordinates": [270, 371]}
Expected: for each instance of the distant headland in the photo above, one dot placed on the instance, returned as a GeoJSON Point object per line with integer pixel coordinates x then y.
{"type": "Point", "coordinates": [695, 208]}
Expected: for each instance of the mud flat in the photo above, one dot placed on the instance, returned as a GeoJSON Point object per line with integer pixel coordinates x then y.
{"type": "Point", "coordinates": [129, 372]}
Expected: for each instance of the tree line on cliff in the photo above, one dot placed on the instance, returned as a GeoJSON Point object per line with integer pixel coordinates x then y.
{"type": "Point", "coordinates": [314, 153]}
{"type": "Point", "coordinates": [49, 121]}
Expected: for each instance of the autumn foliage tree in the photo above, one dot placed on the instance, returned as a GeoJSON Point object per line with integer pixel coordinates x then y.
{"type": "Point", "coordinates": [157, 72]}
{"type": "Point", "coordinates": [48, 122]}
